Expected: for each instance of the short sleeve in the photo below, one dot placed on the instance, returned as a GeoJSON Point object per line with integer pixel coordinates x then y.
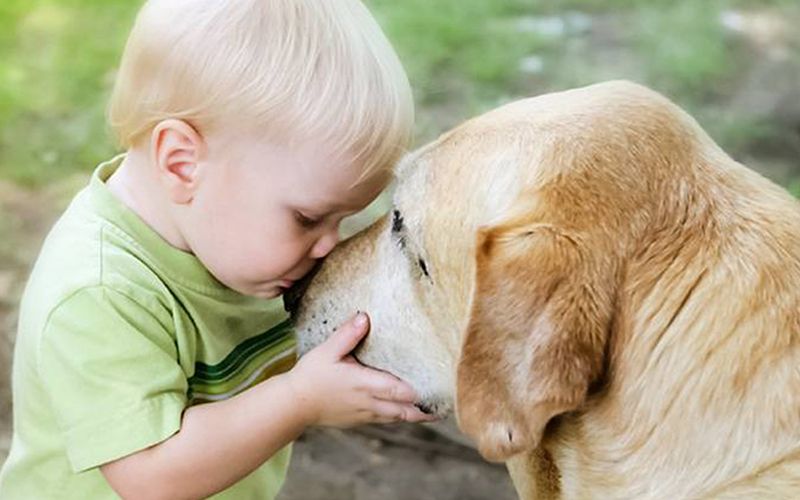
{"type": "Point", "coordinates": [110, 367]}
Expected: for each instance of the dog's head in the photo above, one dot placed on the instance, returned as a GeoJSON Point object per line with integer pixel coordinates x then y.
{"type": "Point", "coordinates": [491, 282]}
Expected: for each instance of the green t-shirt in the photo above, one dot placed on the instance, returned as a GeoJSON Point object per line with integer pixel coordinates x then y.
{"type": "Point", "coordinates": [118, 333]}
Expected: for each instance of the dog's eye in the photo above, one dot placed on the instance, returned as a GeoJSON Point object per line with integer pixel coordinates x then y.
{"type": "Point", "coordinates": [397, 231]}
{"type": "Point", "coordinates": [397, 221]}
{"type": "Point", "coordinates": [423, 267]}
{"type": "Point", "coordinates": [397, 228]}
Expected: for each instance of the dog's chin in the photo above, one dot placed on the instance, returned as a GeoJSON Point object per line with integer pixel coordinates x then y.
{"type": "Point", "coordinates": [431, 403]}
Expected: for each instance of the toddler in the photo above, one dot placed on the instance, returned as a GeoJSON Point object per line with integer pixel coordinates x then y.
{"type": "Point", "coordinates": [153, 356]}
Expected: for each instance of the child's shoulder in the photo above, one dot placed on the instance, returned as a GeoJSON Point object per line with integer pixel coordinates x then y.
{"type": "Point", "coordinates": [85, 250]}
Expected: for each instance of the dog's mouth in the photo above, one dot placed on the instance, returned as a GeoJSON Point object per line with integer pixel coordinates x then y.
{"type": "Point", "coordinates": [435, 407]}
{"type": "Point", "coordinates": [431, 405]}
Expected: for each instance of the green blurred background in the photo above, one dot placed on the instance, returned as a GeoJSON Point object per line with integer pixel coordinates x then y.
{"type": "Point", "coordinates": [733, 64]}
{"type": "Point", "coordinates": [57, 60]}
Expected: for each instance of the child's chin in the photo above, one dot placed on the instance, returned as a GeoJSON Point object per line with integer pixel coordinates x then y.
{"type": "Point", "coordinates": [272, 292]}
{"type": "Point", "coordinates": [263, 292]}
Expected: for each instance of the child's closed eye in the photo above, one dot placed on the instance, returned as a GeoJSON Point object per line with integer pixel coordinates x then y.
{"type": "Point", "coordinates": [306, 221]}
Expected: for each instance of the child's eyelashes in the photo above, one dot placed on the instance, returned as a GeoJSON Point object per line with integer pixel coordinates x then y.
{"type": "Point", "coordinates": [306, 221]}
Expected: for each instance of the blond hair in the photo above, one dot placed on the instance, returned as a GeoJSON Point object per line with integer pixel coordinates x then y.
{"type": "Point", "coordinates": [307, 70]}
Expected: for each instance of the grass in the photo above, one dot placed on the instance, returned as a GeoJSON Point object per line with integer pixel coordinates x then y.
{"type": "Point", "coordinates": [56, 68]}
{"type": "Point", "coordinates": [689, 64]}
{"type": "Point", "coordinates": [464, 40]}
{"type": "Point", "coordinates": [462, 56]}
{"type": "Point", "coordinates": [57, 60]}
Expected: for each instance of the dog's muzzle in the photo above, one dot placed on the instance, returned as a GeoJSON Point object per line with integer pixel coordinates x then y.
{"type": "Point", "coordinates": [294, 295]}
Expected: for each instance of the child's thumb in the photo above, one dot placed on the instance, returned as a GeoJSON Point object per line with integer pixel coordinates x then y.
{"type": "Point", "coordinates": [349, 334]}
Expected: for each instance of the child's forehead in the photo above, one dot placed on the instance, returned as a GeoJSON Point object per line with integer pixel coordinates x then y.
{"type": "Point", "coordinates": [312, 170]}
{"type": "Point", "coordinates": [338, 192]}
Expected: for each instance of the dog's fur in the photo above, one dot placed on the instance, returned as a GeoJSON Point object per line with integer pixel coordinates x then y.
{"type": "Point", "coordinates": [611, 302]}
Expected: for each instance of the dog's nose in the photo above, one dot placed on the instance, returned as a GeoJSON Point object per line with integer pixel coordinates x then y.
{"type": "Point", "coordinates": [294, 295]}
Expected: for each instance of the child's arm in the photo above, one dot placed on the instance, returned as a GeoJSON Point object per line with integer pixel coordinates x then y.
{"type": "Point", "coordinates": [220, 443]}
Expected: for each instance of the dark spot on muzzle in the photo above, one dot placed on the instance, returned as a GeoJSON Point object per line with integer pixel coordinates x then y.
{"type": "Point", "coordinates": [294, 296]}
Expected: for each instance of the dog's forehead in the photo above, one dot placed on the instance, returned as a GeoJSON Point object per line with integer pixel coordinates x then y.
{"type": "Point", "coordinates": [474, 176]}
{"type": "Point", "coordinates": [411, 191]}
{"type": "Point", "coordinates": [409, 165]}
{"type": "Point", "coordinates": [480, 169]}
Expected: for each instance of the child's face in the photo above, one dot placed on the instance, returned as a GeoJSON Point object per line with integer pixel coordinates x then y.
{"type": "Point", "coordinates": [262, 214]}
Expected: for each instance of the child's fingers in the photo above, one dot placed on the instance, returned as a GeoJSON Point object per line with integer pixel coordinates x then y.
{"type": "Point", "coordinates": [389, 388]}
{"type": "Point", "coordinates": [346, 337]}
{"type": "Point", "coordinates": [388, 412]}
{"type": "Point", "coordinates": [416, 416]}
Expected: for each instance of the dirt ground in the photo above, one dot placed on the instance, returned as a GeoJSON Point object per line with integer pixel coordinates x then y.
{"type": "Point", "coordinates": [391, 463]}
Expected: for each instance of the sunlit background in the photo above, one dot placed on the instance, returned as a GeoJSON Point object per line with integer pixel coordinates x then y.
{"type": "Point", "coordinates": [733, 64]}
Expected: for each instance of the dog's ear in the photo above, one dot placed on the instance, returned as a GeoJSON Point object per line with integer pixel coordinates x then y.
{"type": "Point", "coordinates": [540, 315]}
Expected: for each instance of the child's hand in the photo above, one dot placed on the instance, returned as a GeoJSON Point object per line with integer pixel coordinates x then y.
{"type": "Point", "coordinates": [335, 390]}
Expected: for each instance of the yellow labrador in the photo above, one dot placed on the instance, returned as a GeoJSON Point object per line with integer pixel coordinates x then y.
{"type": "Point", "coordinates": [610, 303]}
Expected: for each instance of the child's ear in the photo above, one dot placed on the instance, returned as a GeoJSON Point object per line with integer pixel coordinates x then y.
{"type": "Point", "coordinates": [177, 149]}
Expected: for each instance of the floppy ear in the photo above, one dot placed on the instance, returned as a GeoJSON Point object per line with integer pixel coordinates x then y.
{"type": "Point", "coordinates": [535, 340]}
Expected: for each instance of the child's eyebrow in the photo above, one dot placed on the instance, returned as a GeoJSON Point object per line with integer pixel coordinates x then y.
{"type": "Point", "coordinates": [322, 205]}
{"type": "Point", "coordinates": [319, 210]}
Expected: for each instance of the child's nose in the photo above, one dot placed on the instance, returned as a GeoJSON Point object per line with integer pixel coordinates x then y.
{"type": "Point", "coordinates": [325, 244]}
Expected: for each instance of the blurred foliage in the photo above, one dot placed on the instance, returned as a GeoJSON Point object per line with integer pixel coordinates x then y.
{"type": "Point", "coordinates": [56, 69]}
{"type": "Point", "coordinates": [684, 64]}
{"type": "Point", "coordinates": [57, 60]}
{"type": "Point", "coordinates": [455, 40]}
{"type": "Point", "coordinates": [794, 188]}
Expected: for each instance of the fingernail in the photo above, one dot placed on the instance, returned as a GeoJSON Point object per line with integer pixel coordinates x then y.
{"type": "Point", "coordinates": [361, 319]}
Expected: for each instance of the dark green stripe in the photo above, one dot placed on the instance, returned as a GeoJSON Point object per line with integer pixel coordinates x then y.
{"type": "Point", "coordinates": [263, 362]}
{"type": "Point", "coordinates": [243, 356]}
{"type": "Point", "coordinates": [241, 353]}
